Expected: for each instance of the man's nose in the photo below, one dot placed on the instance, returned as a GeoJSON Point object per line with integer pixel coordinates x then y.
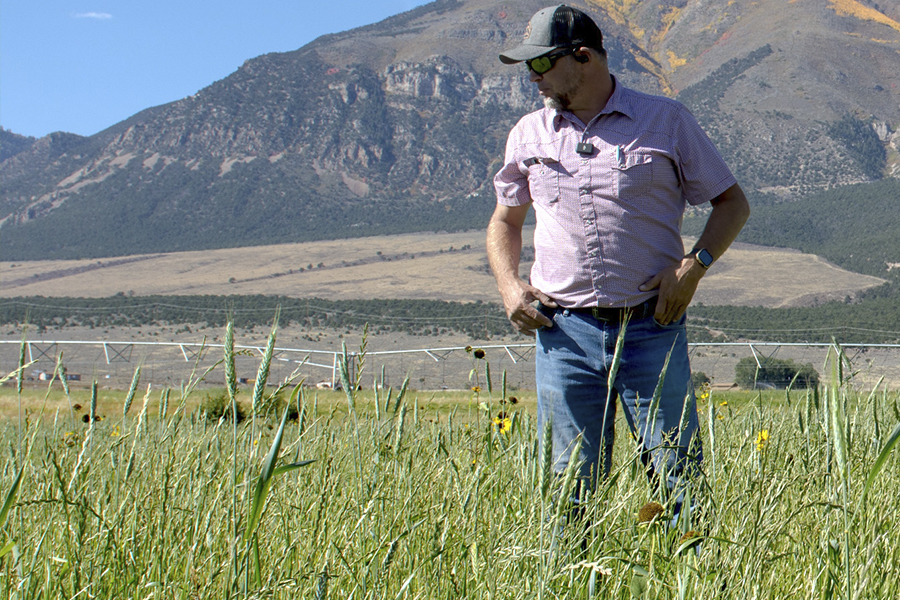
{"type": "Point", "coordinates": [534, 77]}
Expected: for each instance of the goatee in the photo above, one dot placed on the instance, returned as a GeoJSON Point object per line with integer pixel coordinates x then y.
{"type": "Point", "coordinates": [554, 103]}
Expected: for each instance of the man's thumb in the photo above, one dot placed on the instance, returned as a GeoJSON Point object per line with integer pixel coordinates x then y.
{"type": "Point", "coordinates": [650, 285]}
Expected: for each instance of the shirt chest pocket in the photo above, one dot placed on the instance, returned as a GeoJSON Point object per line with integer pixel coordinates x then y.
{"type": "Point", "coordinates": [634, 173]}
{"type": "Point", "coordinates": [543, 179]}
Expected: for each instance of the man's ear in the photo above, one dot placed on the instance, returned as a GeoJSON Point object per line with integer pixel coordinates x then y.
{"type": "Point", "coordinates": [582, 56]}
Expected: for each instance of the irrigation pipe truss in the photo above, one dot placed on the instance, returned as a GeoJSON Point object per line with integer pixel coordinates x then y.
{"type": "Point", "coordinates": [120, 352]}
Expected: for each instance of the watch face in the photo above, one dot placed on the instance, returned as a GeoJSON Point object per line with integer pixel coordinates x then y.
{"type": "Point", "coordinates": [705, 258]}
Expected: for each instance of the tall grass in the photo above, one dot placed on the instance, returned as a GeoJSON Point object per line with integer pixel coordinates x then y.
{"type": "Point", "coordinates": [420, 503]}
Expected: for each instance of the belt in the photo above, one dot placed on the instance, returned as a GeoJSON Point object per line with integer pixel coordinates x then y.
{"type": "Point", "coordinates": [617, 315]}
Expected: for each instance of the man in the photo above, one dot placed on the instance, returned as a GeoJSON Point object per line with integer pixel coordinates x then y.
{"type": "Point", "coordinates": [608, 171]}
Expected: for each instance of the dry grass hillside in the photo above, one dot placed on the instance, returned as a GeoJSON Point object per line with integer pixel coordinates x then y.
{"type": "Point", "coordinates": [427, 266]}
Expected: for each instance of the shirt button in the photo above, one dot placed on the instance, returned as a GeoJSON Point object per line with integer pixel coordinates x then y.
{"type": "Point", "coordinates": [593, 254]}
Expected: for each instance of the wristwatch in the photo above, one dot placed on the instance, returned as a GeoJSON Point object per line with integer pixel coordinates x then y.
{"type": "Point", "coordinates": [702, 256]}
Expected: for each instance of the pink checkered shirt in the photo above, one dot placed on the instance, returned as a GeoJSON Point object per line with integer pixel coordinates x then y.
{"type": "Point", "coordinates": [609, 221]}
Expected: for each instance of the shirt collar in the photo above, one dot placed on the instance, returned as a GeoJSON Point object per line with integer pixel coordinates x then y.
{"type": "Point", "coordinates": [619, 102]}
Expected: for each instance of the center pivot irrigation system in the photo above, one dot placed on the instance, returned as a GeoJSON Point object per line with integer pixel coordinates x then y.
{"type": "Point", "coordinates": [122, 351]}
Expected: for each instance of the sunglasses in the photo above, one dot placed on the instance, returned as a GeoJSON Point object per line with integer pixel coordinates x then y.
{"type": "Point", "coordinates": [542, 64]}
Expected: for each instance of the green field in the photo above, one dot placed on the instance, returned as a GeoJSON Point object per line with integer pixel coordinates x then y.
{"type": "Point", "coordinates": [409, 495]}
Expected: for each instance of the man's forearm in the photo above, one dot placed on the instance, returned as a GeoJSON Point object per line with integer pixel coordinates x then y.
{"type": "Point", "coordinates": [504, 250]}
{"type": "Point", "coordinates": [730, 212]}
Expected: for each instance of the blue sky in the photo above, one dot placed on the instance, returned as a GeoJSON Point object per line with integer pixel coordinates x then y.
{"type": "Point", "coordinates": [83, 65]}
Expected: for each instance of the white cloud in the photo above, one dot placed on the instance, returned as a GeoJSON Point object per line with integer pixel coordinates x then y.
{"type": "Point", "coordinates": [93, 15]}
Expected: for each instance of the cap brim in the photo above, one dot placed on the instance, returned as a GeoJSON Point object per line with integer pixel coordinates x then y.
{"type": "Point", "coordinates": [524, 52]}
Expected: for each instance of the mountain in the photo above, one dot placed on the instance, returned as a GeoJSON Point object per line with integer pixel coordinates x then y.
{"type": "Point", "coordinates": [399, 126]}
{"type": "Point", "coordinates": [13, 143]}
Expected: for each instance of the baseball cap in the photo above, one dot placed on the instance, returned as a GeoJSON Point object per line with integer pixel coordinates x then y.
{"type": "Point", "coordinates": [555, 27]}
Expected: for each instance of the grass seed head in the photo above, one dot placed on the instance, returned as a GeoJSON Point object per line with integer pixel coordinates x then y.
{"type": "Point", "coordinates": [649, 511]}
{"type": "Point", "coordinates": [690, 535]}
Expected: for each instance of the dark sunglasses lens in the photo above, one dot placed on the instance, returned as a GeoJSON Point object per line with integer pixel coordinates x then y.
{"type": "Point", "coordinates": [541, 65]}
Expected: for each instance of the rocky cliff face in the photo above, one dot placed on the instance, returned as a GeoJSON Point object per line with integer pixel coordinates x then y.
{"type": "Point", "coordinates": [399, 126]}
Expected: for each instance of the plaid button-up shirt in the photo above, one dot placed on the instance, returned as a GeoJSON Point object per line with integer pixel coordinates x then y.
{"type": "Point", "coordinates": [610, 219]}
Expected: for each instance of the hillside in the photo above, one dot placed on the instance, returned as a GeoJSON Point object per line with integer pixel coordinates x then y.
{"type": "Point", "coordinates": [420, 266]}
{"type": "Point", "coordinates": [13, 143]}
{"type": "Point", "coordinates": [407, 118]}
{"type": "Point", "coordinates": [855, 227]}
{"type": "Point", "coordinates": [852, 226]}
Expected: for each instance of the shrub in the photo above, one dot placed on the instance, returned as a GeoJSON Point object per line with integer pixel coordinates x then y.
{"type": "Point", "coordinates": [219, 407]}
{"type": "Point", "coordinates": [775, 373]}
{"type": "Point", "coordinates": [699, 379]}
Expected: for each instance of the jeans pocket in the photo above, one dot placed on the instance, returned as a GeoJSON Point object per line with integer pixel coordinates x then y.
{"type": "Point", "coordinates": [676, 324]}
{"type": "Point", "coordinates": [548, 312]}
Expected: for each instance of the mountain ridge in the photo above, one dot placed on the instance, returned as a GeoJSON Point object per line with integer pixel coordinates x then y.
{"type": "Point", "coordinates": [409, 116]}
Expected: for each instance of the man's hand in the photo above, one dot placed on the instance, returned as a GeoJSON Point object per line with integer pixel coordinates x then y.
{"type": "Point", "coordinates": [518, 297]}
{"type": "Point", "coordinates": [504, 246]}
{"type": "Point", "coordinates": [676, 285]}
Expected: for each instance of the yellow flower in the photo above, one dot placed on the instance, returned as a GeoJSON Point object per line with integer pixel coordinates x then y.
{"type": "Point", "coordinates": [704, 395]}
{"type": "Point", "coordinates": [723, 403]}
{"type": "Point", "coordinates": [761, 439]}
{"type": "Point", "coordinates": [476, 388]}
{"type": "Point", "coordinates": [115, 432]}
{"type": "Point", "coordinates": [503, 424]}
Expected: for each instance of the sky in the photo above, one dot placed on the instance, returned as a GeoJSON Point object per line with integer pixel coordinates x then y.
{"type": "Point", "coordinates": [83, 65]}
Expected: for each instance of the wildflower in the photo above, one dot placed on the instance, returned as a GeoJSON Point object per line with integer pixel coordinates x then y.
{"type": "Point", "coordinates": [761, 439]}
{"type": "Point", "coordinates": [720, 417]}
{"type": "Point", "coordinates": [723, 403]}
{"type": "Point", "coordinates": [503, 422]}
{"type": "Point", "coordinates": [76, 407]}
{"type": "Point", "coordinates": [476, 388]}
{"type": "Point", "coordinates": [649, 511]}
{"type": "Point", "coordinates": [478, 353]}
{"type": "Point", "coordinates": [468, 349]}
{"type": "Point", "coordinates": [704, 393]}
{"type": "Point", "coordinates": [513, 400]}
{"type": "Point", "coordinates": [70, 438]}
{"type": "Point", "coordinates": [115, 432]}
{"type": "Point", "coordinates": [85, 418]}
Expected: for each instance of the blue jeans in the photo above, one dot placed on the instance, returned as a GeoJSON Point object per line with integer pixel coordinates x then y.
{"type": "Point", "coordinates": [573, 361]}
